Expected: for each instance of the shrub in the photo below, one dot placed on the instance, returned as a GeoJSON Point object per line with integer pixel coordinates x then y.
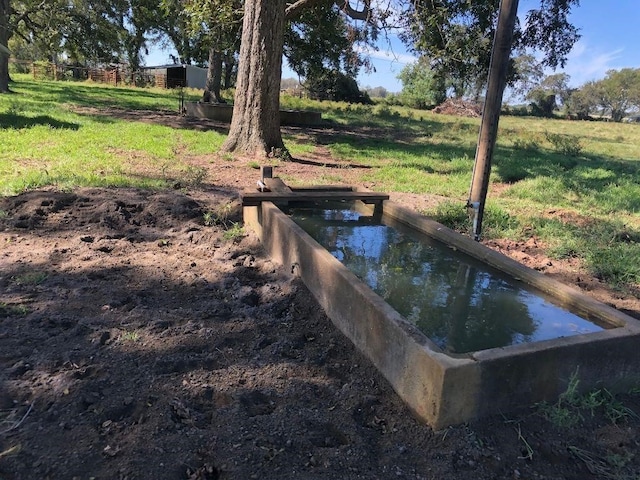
{"type": "Point", "coordinates": [564, 144]}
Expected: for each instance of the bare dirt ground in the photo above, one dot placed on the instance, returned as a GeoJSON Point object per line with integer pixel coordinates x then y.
{"type": "Point", "coordinates": [137, 342]}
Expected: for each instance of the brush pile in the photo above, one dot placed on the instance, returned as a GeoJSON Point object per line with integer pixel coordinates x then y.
{"type": "Point", "coordinates": [459, 107]}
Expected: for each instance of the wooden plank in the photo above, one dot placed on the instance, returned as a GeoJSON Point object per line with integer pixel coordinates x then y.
{"type": "Point", "coordinates": [255, 198]}
{"type": "Point", "coordinates": [324, 188]}
{"type": "Point", "coordinates": [276, 185]}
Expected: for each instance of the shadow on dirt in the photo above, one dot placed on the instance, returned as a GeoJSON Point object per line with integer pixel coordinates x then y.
{"type": "Point", "coordinates": [151, 347]}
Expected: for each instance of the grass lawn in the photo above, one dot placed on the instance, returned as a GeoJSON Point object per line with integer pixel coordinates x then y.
{"type": "Point", "coordinates": [574, 185]}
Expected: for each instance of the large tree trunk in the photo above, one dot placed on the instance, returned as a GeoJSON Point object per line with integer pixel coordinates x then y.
{"type": "Point", "coordinates": [255, 127]}
{"type": "Point", "coordinates": [214, 78]}
{"type": "Point", "coordinates": [4, 40]}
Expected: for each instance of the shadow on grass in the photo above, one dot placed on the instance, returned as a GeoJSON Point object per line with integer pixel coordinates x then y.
{"type": "Point", "coordinates": [314, 163]}
{"type": "Point", "coordinates": [607, 181]}
{"type": "Point", "coordinates": [17, 121]}
{"type": "Point", "coordinates": [96, 96]}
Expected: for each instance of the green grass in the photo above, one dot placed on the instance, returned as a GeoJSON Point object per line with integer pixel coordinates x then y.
{"type": "Point", "coordinates": [130, 336]}
{"type": "Point", "coordinates": [47, 137]}
{"type": "Point", "coordinates": [7, 310]}
{"type": "Point", "coordinates": [234, 232]}
{"type": "Point", "coordinates": [574, 185]}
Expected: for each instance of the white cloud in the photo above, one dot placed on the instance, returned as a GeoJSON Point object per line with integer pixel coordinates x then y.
{"type": "Point", "coordinates": [387, 55]}
{"type": "Point", "coordinates": [585, 63]}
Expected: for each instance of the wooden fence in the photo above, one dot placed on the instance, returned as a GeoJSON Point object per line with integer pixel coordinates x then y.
{"type": "Point", "coordinates": [116, 75]}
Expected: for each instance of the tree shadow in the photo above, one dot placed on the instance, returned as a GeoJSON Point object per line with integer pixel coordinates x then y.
{"type": "Point", "coordinates": [95, 95]}
{"type": "Point", "coordinates": [603, 178]}
{"type": "Point", "coordinates": [136, 370]}
{"type": "Point", "coordinates": [157, 117]}
{"type": "Point", "coordinates": [17, 121]}
{"type": "Point", "coordinates": [332, 164]}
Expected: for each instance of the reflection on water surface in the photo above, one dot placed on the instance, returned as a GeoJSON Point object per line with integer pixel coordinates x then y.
{"type": "Point", "coordinates": [456, 301]}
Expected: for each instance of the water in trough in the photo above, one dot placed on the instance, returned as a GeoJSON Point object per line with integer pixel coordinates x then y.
{"type": "Point", "coordinates": [458, 302]}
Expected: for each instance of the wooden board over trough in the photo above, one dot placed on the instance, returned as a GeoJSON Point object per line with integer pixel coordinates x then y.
{"type": "Point", "coordinates": [256, 198]}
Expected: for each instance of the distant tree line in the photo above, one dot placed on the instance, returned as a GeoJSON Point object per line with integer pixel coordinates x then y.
{"type": "Point", "coordinates": [613, 97]}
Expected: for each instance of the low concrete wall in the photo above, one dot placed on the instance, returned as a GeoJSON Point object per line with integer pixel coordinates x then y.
{"type": "Point", "coordinates": [223, 113]}
{"type": "Point", "coordinates": [439, 388]}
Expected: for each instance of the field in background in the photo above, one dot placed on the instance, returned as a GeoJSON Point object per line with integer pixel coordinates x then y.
{"type": "Point", "coordinates": [573, 185]}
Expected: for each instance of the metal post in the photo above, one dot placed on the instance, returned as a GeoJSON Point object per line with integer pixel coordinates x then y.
{"type": "Point", "coordinates": [491, 112]}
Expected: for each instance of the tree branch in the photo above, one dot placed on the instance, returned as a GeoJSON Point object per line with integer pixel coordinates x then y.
{"type": "Point", "coordinates": [293, 9]}
{"type": "Point", "coordinates": [363, 14]}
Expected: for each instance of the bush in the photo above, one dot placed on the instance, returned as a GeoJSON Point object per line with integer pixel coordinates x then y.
{"type": "Point", "coordinates": [336, 86]}
{"type": "Point", "coordinates": [564, 144]}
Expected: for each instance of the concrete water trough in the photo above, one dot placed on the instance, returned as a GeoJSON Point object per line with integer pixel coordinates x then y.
{"type": "Point", "coordinates": [441, 387]}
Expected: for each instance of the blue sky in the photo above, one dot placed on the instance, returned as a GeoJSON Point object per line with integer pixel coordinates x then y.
{"type": "Point", "coordinates": [610, 40]}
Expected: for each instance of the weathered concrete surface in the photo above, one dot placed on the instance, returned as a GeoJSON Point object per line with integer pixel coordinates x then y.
{"type": "Point", "coordinates": [443, 389]}
{"type": "Point", "coordinates": [223, 113]}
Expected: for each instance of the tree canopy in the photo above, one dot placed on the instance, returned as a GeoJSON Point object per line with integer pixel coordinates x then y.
{"type": "Point", "coordinates": [457, 35]}
{"type": "Point", "coordinates": [617, 95]}
{"type": "Point", "coordinates": [422, 87]}
{"type": "Point", "coordinates": [552, 91]}
{"type": "Point", "coordinates": [319, 47]}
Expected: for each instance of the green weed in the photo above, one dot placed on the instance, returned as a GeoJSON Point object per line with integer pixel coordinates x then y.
{"type": "Point", "coordinates": [565, 412]}
{"type": "Point", "coordinates": [611, 466]}
{"type": "Point", "coordinates": [451, 214]}
{"type": "Point", "coordinates": [526, 144]}
{"type": "Point", "coordinates": [31, 278]}
{"type": "Point", "coordinates": [8, 310]}
{"type": "Point", "coordinates": [234, 232]}
{"type": "Point", "coordinates": [193, 176]}
{"type": "Point", "coordinates": [130, 336]}
{"type": "Point", "coordinates": [220, 215]}
{"type": "Point", "coordinates": [568, 410]}
{"type": "Point", "coordinates": [564, 144]}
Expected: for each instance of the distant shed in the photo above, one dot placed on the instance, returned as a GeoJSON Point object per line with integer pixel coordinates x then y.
{"type": "Point", "coordinates": [173, 76]}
